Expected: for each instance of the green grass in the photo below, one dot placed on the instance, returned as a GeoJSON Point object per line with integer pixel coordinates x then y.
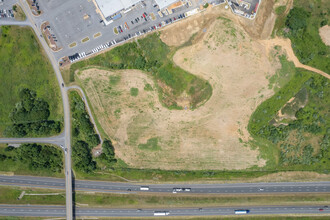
{"type": "Point", "coordinates": [307, 43]}
{"type": "Point", "coordinates": [154, 57]}
{"type": "Point", "coordinates": [148, 87]}
{"type": "Point", "coordinates": [267, 110]}
{"type": "Point", "coordinates": [286, 147]}
{"type": "Point", "coordinates": [152, 144]}
{"type": "Point", "coordinates": [280, 10]}
{"type": "Point", "coordinates": [23, 65]}
{"type": "Point", "coordinates": [171, 175]}
{"type": "Point", "coordinates": [19, 168]}
{"type": "Point", "coordinates": [283, 75]}
{"type": "Point", "coordinates": [134, 92]}
{"type": "Point", "coordinates": [170, 201]}
{"type": "Point", "coordinates": [9, 195]}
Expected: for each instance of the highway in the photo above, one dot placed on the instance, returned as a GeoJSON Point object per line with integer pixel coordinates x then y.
{"type": "Point", "coordinates": [234, 188]}
{"type": "Point", "coordinates": [59, 211]}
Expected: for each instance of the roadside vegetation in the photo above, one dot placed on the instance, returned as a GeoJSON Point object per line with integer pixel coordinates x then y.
{"type": "Point", "coordinates": [10, 195]}
{"type": "Point", "coordinates": [84, 136]}
{"type": "Point", "coordinates": [85, 139]}
{"type": "Point", "coordinates": [302, 25]}
{"type": "Point", "coordinates": [23, 66]}
{"type": "Point", "coordinates": [31, 159]}
{"type": "Point", "coordinates": [19, 13]}
{"type": "Point", "coordinates": [151, 55]}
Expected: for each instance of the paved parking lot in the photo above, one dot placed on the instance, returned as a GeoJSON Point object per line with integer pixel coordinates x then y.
{"type": "Point", "coordinates": [6, 9]}
{"type": "Point", "coordinates": [71, 21]}
{"type": "Point", "coordinates": [66, 18]}
{"type": "Point", "coordinates": [138, 23]}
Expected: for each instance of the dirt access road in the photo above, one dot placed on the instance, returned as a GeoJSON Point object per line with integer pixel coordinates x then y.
{"type": "Point", "coordinates": [286, 45]}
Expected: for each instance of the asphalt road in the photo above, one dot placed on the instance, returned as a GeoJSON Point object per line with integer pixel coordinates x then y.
{"type": "Point", "coordinates": [235, 188]}
{"type": "Point", "coordinates": [59, 211]}
{"type": "Point", "coordinates": [14, 22]}
{"type": "Point", "coordinates": [56, 140]}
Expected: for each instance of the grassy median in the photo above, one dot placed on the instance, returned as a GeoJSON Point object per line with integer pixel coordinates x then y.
{"type": "Point", "coordinates": [9, 195]}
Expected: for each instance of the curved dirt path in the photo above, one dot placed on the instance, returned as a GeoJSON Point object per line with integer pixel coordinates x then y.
{"type": "Point", "coordinates": [286, 44]}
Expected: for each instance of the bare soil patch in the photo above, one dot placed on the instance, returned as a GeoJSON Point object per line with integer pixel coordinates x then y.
{"type": "Point", "coordinates": [325, 34]}
{"type": "Point", "coordinates": [148, 135]}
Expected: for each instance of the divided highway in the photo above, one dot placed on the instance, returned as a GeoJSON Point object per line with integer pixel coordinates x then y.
{"type": "Point", "coordinates": [59, 211]}
{"type": "Point", "coordinates": [234, 188]}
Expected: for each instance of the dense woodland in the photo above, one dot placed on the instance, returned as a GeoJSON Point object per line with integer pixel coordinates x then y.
{"type": "Point", "coordinates": [30, 117]}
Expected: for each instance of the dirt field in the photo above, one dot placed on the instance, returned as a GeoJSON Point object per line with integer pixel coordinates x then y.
{"type": "Point", "coordinates": [147, 135]}
{"type": "Point", "coordinates": [325, 34]}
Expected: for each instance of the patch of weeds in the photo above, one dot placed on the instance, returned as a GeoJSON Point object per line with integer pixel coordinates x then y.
{"type": "Point", "coordinates": [148, 87]}
{"type": "Point", "coordinates": [134, 92]}
{"type": "Point", "coordinates": [114, 80]}
{"type": "Point", "coordinates": [152, 144]}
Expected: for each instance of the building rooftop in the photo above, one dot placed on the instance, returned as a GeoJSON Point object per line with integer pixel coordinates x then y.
{"type": "Point", "coordinates": [164, 3]}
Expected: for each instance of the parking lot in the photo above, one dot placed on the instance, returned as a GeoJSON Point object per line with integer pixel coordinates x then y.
{"type": "Point", "coordinates": [70, 20]}
{"type": "Point", "coordinates": [79, 30]}
{"type": "Point", "coordinates": [6, 9]}
{"type": "Point", "coordinates": [143, 18]}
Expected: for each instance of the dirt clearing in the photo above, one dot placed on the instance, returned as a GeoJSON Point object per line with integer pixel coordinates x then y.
{"type": "Point", "coordinates": [325, 34]}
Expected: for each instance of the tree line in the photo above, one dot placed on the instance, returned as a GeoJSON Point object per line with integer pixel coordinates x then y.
{"type": "Point", "coordinates": [85, 139]}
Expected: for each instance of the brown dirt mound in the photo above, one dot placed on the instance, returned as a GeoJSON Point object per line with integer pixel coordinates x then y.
{"type": "Point", "coordinates": [325, 34]}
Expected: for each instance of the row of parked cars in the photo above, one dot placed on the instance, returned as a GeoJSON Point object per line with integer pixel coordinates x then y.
{"type": "Point", "coordinates": [6, 13]}
{"type": "Point", "coordinates": [78, 56]}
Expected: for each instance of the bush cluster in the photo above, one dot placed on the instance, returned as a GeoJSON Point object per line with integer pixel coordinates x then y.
{"type": "Point", "coordinates": [30, 117]}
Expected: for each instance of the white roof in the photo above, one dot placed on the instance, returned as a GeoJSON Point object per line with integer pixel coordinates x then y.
{"type": "Point", "coordinates": [109, 7]}
{"type": "Point", "coordinates": [164, 3]}
{"type": "Point", "coordinates": [129, 3]}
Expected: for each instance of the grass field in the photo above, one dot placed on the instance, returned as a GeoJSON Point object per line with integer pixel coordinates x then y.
{"type": "Point", "coordinates": [9, 195]}
{"type": "Point", "coordinates": [150, 54]}
{"type": "Point", "coordinates": [23, 65]}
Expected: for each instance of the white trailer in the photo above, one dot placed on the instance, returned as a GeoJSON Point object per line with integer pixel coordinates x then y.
{"type": "Point", "coordinates": [161, 213]}
{"type": "Point", "coordinates": [241, 212]}
{"type": "Point", "coordinates": [144, 188]}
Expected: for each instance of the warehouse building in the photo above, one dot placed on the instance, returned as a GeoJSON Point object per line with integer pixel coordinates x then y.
{"type": "Point", "coordinates": [111, 9]}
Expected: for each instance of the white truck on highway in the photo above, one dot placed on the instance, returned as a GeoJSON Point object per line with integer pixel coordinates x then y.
{"type": "Point", "coordinates": [161, 213]}
{"type": "Point", "coordinates": [241, 212]}
{"type": "Point", "coordinates": [144, 188]}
